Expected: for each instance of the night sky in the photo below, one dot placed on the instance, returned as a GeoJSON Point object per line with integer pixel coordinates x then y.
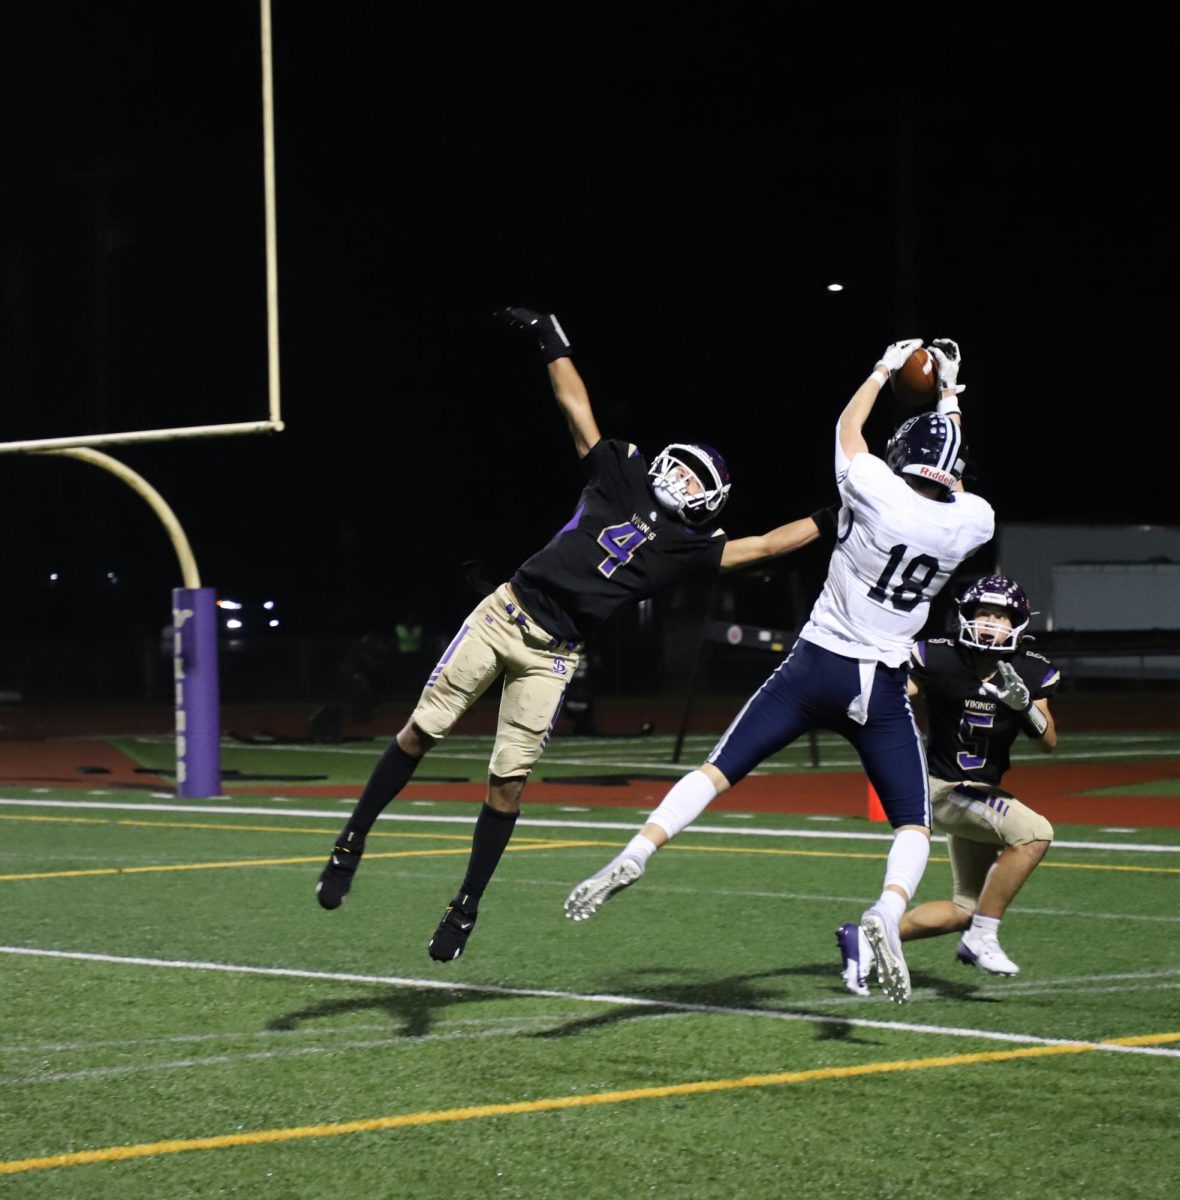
{"type": "Point", "coordinates": [680, 190]}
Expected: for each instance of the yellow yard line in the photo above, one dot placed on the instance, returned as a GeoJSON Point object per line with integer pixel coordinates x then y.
{"type": "Point", "coordinates": [261, 862]}
{"type": "Point", "coordinates": [263, 1137]}
{"type": "Point", "coordinates": [521, 842]}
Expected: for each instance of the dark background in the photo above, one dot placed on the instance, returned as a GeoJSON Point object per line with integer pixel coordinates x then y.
{"type": "Point", "coordinates": [680, 189]}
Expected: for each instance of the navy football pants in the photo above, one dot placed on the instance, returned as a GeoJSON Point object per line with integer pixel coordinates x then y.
{"type": "Point", "coordinates": [812, 689]}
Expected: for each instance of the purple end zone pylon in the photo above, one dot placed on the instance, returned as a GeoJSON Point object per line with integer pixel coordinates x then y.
{"type": "Point", "coordinates": [194, 661]}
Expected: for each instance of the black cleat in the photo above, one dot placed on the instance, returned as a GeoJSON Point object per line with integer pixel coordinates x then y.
{"type": "Point", "coordinates": [450, 938]}
{"type": "Point", "coordinates": [336, 877]}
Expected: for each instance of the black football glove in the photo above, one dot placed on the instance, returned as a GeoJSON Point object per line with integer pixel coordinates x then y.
{"type": "Point", "coordinates": [545, 326]}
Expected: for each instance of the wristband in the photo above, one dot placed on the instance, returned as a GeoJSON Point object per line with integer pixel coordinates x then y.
{"type": "Point", "coordinates": [1034, 721]}
{"type": "Point", "coordinates": [554, 343]}
{"type": "Point", "coordinates": [881, 379]}
{"type": "Point", "coordinates": [828, 520]}
{"type": "Point", "coordinates": [949, 405]}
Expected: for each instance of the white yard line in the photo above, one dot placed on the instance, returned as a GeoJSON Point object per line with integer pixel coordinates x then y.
{"type": "Point", "coordinates": [600, 998]}
{"type": "Point", "coordinates": [532, 823]}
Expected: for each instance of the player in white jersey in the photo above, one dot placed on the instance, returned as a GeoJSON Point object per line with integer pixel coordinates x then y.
{"type": "Point", "coordinates": [905, 526]}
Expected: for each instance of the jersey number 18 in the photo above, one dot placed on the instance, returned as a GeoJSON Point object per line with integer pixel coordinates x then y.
{"type": "Point", "coordinates": [909, 590]}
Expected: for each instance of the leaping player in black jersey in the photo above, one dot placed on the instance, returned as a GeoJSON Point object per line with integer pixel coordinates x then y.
{"type": "Point", "coordinates": [981, 689]}
{"type": "Point", "coordinates": [633, 531]}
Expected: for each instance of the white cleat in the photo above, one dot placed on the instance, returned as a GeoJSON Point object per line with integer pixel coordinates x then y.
{"type": "Point", "coordinates": [591, 894]}
{"type": "Point", "coordinates": [981, 948]}
{"type": "Point", "coordinates": [885, 943]}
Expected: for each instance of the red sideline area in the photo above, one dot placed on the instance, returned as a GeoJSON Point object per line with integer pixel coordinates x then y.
{"type": "Point", "coordinates": [31, 755]}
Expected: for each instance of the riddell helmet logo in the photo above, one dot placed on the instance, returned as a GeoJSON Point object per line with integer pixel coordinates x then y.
{"type": "Point", "coordinates": [933, 473]}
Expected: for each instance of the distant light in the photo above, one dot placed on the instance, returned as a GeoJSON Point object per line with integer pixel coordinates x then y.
{"type": "Point", "coordinates": [53, 577]}
{"type": "Point", "coordinates": [268, 604]}
{"type": "Point", "coordinates": [112, 577]}
{"type": "Point", "coordinates": [274, 624]}
{"type": "Point", "coordinates": [233, 623]}
{"type": "Point", "coordinates": [231, 604]}
{"type": "Point", "coordinates": [835, 287]}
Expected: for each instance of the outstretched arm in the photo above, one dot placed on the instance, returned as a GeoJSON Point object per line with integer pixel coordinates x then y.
{"type": "Point", "coordinates": [568, 388]}
{"type": "Point", "coordinates": [741, 552]}
{"type": "Point", "coordinates": [856, 412]}
{"type": "Point", "coordinates": [574, 402]}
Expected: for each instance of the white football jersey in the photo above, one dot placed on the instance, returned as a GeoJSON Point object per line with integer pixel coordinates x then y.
{"type": "Point", "coordinates": [895, 550]}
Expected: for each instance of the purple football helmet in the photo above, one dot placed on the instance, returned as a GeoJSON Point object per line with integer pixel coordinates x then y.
{"type": "Point", "coordinates": [930, 447]}
{"type": "Point", "coordinates": [976, 633]}
{"type": "Point", "coordinates": [670, 486]}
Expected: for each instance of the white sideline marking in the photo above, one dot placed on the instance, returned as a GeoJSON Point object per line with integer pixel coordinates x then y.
{"type": "Point", "coordinates": [538, 823]}
{"type": "Point", "coordinates": [596, 998]}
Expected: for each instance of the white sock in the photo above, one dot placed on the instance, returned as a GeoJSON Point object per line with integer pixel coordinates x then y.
{"type": "Point", "coordinates": [892, 905]}
{"type": "Point", "coordinates": [684, 803]}
{"type": "Point", "coordinates": [639, 848]}
{"type": "Point", "coordinates": [987, 924]}
{"type": "Point", "coordinates": [907, 860]}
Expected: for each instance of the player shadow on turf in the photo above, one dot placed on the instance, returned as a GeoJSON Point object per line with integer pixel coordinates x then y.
{"type": "Point", "coordinates": [680, 997]}
{"type": "Point", "coordinates": [415, 1010]}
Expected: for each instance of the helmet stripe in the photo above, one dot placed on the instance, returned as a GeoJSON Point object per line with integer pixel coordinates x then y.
{"type": "Point", "coordinates": [950, 451]}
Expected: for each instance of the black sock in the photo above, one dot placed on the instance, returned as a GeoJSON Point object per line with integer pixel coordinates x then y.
{"type": "Point", "coordinates": [390, 775]}
{"type": "Point", "coordinates": [493, 831]}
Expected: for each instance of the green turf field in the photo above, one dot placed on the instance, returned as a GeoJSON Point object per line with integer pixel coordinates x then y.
{"type": "Point", "coordinates": [181, 1019]}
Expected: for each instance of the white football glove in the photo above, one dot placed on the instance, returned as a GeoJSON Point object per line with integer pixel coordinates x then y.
{"type": "Point", "coordinates": [897, 352]}
{"type": "Point", "coordinates": [1012, 691]}
{"type": "Point", "coordinates": [947, 358]}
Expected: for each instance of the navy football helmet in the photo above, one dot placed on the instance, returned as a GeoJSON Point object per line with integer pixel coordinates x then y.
{"type": "Point", "coordinates": [930, 447]}
{"type": "Point", "coordinates": [1001, 592]}
{"type": "Point", "coordinates": [670, 486]}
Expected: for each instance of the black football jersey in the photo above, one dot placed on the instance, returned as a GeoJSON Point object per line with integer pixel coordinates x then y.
{"type": "Point", "coordinates": [619, 545]}
{"type": "Point", "coordinates": [970, 733]}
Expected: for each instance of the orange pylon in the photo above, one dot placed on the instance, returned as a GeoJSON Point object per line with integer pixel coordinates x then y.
{"type": "Point", "coordinates": [875, 811]}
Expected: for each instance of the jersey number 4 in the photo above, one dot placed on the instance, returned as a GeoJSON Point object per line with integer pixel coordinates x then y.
{"type": "Point", "coordinates": [909, 590]}
{"type": "Point", "coordinates": [620, 543]}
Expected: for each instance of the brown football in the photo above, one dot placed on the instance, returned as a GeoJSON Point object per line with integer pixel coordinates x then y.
{"type": "Point", "coordinates": [916, 384]}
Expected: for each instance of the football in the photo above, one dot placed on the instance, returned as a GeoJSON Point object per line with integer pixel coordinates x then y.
{"type": "Point", "coordinates": [916, 384]}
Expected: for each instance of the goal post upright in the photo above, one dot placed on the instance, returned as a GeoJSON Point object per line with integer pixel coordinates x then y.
{"type": "Point", "coordinates": [194, 620]}
{"type": "Point", "coordinates": [268, 200]}
{"type": "Point", "coordinates": [196, 694]}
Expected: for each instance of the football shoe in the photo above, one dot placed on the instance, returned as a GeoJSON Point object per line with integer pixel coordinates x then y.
{"type": "Point", "coordinates": [981, 948]}
{"type": "Point", "coordinates": [336, 878]}
{"type": "Point", "coordinates": [591, 894]}
{"type": "Point", "coordinates": [892, 972]}
{"type": "Point", "coordinates": [857, 956]}
{"type": "Point", "coordinates": [450, 938]}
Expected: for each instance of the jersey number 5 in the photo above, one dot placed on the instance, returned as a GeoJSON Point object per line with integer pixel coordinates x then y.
{"type": "Point", "coordinates": [620, 543]}
{"type": "Point", "coordinates": [909, 591]}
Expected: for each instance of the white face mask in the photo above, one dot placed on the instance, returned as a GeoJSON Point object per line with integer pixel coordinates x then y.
{"type": "Point", "coordinates": [679, 488]}
{"type": "Point", "coordinates": [991, 632]}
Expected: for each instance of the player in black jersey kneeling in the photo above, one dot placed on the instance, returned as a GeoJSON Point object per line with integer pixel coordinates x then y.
{"type": "Point", "coordinates": [981, 689]}
{"type": "Point", "coordinates": [634, 531]}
